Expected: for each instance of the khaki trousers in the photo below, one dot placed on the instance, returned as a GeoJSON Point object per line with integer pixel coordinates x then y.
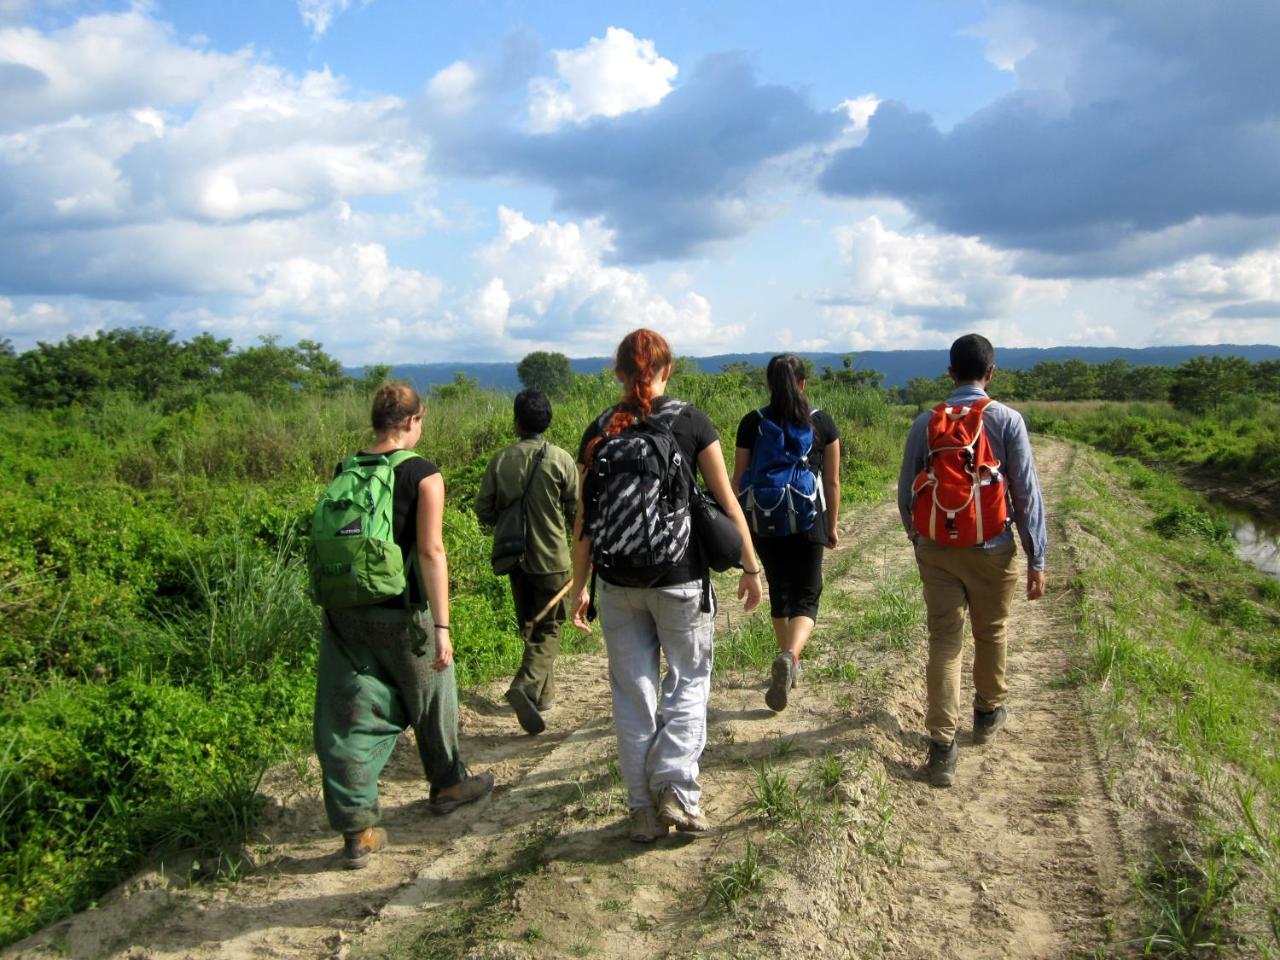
{"type": "Point", "coordinates": [983, 581]}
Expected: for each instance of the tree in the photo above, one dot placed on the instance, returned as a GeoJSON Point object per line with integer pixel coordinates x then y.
{"type": "Point", "coordinates": [374, 377]}
{"type": "Point", "coordinates": [1266, 379]}
{"type": "Point", "coordinates": [271, 372]}
{"type": "Point", "coordinates": [549, 372]}
{"type": "Point", "coordinates": [1203, 384]}
{"type": "Point", "coordinates": [8, 372]}
{"type": "Point", "coordinates": [850, 376]}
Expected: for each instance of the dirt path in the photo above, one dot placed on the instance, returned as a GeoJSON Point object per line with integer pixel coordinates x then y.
{"type": "Point", "coordinates": [1020, 858]}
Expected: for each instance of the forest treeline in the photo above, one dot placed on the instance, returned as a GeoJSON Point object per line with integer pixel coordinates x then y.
{"type": "Point", "coordinates": [150, 364]}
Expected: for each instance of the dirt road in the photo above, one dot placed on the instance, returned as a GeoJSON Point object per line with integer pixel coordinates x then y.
{"type": "Point", "coordinates": [1021, 858]}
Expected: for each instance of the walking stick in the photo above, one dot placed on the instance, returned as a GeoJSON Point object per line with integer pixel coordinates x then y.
{"type": "Point", "coordinates": [547, 609]}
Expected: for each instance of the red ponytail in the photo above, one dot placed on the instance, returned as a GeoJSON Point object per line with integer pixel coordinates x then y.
{"type": "Point", "coordinates": [641, 356]}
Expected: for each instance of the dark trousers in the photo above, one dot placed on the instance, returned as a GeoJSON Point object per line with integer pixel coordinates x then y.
{"type": "Point", "coordinates": [793, 567]}
{"type": "Point", "coordinates": [374, 678]}
{"type": "Point", "coordinates": [531, 592]}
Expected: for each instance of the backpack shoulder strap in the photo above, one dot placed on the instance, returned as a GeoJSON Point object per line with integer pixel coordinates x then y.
{"type": "Point", "coordinates": [400, 456]}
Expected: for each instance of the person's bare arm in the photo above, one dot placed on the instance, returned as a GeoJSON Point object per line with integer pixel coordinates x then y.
{"type": "Point", "coordinates": [831, 491]}
{"type": "Point", "coordinates": [433, 563]}
{"type": "Point", "coordinates": [581, 552]}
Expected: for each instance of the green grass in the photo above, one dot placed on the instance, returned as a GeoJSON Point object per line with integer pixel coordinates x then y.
{"type": "Point", "coordinates": [739, 880]}
{"type": "Point", "coordinates": [1176, 652]}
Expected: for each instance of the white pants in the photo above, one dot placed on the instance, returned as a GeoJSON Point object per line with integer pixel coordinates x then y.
{"type": "Point", "coordinates": [661, 722]}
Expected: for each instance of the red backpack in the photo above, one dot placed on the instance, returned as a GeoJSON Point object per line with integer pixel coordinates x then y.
{"type": "Point", "coordinates": [958, 499]}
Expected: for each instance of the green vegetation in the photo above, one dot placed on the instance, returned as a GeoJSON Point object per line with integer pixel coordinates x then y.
{"type": "Point", "coordinates": [1240, 438]}
{"type": "Point", "coordinates": [739, 880]}
{"type": "Point", "coordinates": [1180, 642]}
{"type": "Point", "coordinates": [159, 648]}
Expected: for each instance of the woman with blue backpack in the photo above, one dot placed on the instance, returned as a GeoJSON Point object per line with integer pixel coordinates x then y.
{"type": "Point", "coordinates": [634, 534]}
{"type": "Point", "coordinates": [786, 469]}
{"type": "Point", "coordinates": [378, 569]}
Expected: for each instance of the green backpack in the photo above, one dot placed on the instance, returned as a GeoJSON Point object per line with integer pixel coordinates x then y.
{"type": "Point", "coordinates": [353, 557]}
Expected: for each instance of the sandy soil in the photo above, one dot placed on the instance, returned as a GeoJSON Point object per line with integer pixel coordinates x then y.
{"type": "Point", "coordinates": [1021, 858]}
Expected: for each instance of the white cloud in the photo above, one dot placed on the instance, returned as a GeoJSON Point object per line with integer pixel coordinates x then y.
{"type": "Point", "coordinates": [112, 62]}
{"type": "Point", "coordinates": [319, 15]}
{"type": "Point", "coordinates": [1255, 276]}
{"type": "Point", "coordinates": [943, 278]}
{"type": "Point", "coordinates": [452, 89]}
{"type": "Point", "coordinates": [551, 289]}
{"type": "Point", "coordinates": [608, 77]}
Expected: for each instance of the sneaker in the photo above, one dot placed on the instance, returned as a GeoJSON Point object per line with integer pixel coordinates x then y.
{"type": "Point", "coordinates": [358, 847]}
{"type": "Point", "coordinates": [645, 827]}
{"type": "Point", "coordinates": [941, 765]}
{"type": "Point", "coordinates": [987, 723]}
{"type": "Point", "coordinates": [675, 814]}
{"type": "Point", "coordinates": [528, 715]}
{"type": "Point", "coordinates": [545, 706]}
{"type": "Point", "coordinates": [468, 790]}
{"type": "Point", "coordinates": [782, 678]}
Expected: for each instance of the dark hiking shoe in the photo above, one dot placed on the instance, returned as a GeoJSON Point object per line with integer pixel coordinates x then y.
{"type": "Point", "coordinates": [782, 678]}
{"type": "Point", "coordinates": [358, 847]}
{"type": "Point", "coordinates": [987, 723]}
{"type": "Point", "coordinates": [545, 706]}
{"type": "Point", "coordinates": [645, 827]}
{"type": "Point", "coordinates": [941, 765]}
{"type": "Point", "coordinates": [675, 814]}
{"type": "Point", "coordinates": [469, 790]}
{"type": "Point", "coordinates": [528, 715]}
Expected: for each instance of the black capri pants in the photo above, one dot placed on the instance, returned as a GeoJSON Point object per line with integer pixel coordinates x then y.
{"type": "Point", "coordinates": [793, 567]}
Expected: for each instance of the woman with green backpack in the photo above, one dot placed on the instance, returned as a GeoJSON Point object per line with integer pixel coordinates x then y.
{"type": "Point", "coordinates": [378, 568]}
{"type": "Point", "coordinates": [786, 469]}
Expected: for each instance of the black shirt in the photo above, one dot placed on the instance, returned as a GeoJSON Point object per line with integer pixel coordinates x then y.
{"type": "Point", "coordinates": [693, 432]}
{"type": "Point", "coordinates": [824, 432]}
{"type": "Point", "coordinates": [404, 521]}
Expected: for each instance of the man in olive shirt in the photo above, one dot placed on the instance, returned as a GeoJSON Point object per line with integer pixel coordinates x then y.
{"type": "Point", "coordinates": [547, 477]}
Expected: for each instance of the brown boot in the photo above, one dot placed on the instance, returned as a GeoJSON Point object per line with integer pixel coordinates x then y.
{"type": "Point", "coordinates": [358, 847]}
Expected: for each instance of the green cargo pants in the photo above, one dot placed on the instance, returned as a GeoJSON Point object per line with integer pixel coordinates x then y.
{"type": "Point", "coordinates": [531, 592]}
{"type": "Point", "coordinates": [374, 679]}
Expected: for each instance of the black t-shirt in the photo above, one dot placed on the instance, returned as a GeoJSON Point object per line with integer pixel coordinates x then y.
{"type": "Point", "coordinates": [824, 432]}
{"type": "Point", "coordinates": [693, 432]}
{"type": "Point", "coordinates": [404, 520]}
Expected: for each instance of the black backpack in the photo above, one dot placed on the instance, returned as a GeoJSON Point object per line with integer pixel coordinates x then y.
{"type": "Point", "coordinates": [635, 500]}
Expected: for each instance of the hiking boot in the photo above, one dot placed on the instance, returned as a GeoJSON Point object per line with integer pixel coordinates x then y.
{"type": "Point", "coordinates": [468, 790]}
{"type": "Point", "coordinates": [528, 715]}
{"type": "Point", "coordinates": [675, 814]}
{"type": "Point", "coordinates": [358, 847]}
{"type": "Point", "coordinates": [645, 827]}
{"type": "Point", "coordinates": [987, 723]}
{"type": "Point", "coordinates": [782, 678]}
{"type": "Point", "coordinates": [941, 766]}
{"type": "Point", "coordinates": [545, 706]}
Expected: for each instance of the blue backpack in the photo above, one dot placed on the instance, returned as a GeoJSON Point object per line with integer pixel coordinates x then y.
{"type": "Point", "coordinates": [779, 494]}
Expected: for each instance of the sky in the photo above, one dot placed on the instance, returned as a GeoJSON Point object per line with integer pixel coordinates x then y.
{"type": "Point", "coordinates": [410, 182]}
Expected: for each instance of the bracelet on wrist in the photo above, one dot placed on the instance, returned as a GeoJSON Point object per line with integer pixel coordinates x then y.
{"type": "Point", "coordinates": [442, 626]}
{"type": "Point", "coordinates": [750, 573]}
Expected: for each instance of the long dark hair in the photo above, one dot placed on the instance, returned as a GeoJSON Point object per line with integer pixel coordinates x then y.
{"type": "Point", "coordinates": [787, 402]}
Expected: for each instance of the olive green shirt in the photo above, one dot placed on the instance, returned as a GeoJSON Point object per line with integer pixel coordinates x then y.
{"type": "Point", "coordinates": [552, 497]}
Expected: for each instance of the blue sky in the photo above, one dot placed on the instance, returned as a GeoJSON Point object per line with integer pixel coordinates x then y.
{"type": "Point", "coordinates": [408, 182]}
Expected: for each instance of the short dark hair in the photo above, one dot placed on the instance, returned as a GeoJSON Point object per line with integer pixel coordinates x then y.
{"type": "Point", "coordinates": [533, 412]}
{"type": "Point", "coordinates": [972, 356]}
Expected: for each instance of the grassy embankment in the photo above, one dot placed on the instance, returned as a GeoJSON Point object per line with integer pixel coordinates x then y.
{"type": "Point", "coordinates": [1240, 442]}
{"type": "Point", "coordinates": [158, 649]}
{"type": "Point", "coordinates": [1180, 661]}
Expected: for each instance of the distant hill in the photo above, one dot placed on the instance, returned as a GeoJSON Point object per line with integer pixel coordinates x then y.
{"type": "Point", "coordinates": [898, 366]}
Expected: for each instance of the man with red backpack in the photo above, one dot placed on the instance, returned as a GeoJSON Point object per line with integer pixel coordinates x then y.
{"type": "Point", "coordinates": [967, 477]}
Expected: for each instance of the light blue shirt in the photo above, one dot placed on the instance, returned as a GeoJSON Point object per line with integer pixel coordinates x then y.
{"type": "Point", "coordinates": [1007, 433]}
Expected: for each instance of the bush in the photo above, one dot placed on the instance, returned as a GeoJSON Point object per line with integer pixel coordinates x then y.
{"type": "Point", "coordinates": [1189, 523]}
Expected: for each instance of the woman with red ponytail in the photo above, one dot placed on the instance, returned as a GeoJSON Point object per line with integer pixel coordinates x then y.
{"type": "Point", "coordinates": [662, 606]}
